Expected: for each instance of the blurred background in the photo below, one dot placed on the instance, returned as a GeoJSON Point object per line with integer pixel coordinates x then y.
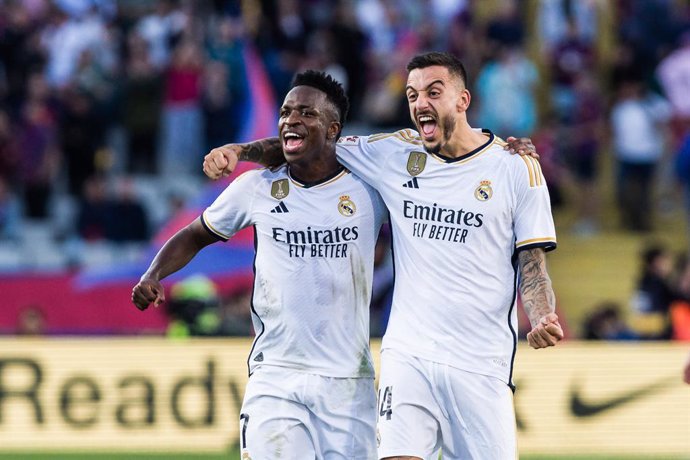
{"type": "Point", "coordinates": [108, 107]}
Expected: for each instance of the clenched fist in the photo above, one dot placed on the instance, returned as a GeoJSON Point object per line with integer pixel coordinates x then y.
{"type": "Point", "coordinates": [147, 291]}
{"type": "Point", "coordinates": [221, 161]}
{"type": "Point", "coordinates": [546, 333]}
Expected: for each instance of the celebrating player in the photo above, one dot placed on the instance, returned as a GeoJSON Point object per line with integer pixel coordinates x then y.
{"type": "Point", "coordinates": [311, 389]}
{"type": "Point", "coordinates": [468, 222]}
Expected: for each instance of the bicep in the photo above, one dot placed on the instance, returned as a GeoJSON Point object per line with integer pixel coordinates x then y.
{"type": "Point", "coordinates": [200, 235]}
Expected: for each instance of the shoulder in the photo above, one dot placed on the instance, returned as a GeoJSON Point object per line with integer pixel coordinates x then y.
{"type": "Point", "coordinates": [404, 138]}
{"type": "Point", "coordinates": [524, 168]}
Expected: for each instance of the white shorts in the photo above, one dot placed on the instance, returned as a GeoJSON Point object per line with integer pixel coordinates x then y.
{"type": "Point", "coordinates": [296, 416]}
{"type": "Point", "coordinates": [425, 407]}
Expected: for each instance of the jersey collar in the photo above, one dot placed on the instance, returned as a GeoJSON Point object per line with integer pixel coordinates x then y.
{"type": "Point", "coordinates": [468, 155]}
{"type": "Point", "coordinates": [341, 171]}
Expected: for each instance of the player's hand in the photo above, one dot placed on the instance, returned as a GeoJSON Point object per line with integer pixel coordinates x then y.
{"type": "Point", "coordinates": [148, 291]}
{"type": "Point", "coordinates": [521, 146]}
{"type": "Point", "coordinates": [221, 161]}
{"type": "Point", "coordinates": [546, 333]}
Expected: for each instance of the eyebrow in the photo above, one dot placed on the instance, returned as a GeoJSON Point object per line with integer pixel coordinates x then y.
{"type": "Point", "coordinates": [427, 86]}
{"type": "Point", "coordinates": [298, 107]}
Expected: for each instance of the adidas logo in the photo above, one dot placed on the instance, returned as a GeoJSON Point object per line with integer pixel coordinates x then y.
{"type": "Point", "coordinates": [260, 357]}
{"type": "Point", "coordinates": [280, 208]}
{"type": "Point", "coordinates": [411, 183]}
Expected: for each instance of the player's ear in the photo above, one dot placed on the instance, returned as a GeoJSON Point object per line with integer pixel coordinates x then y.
{"type": "Point", "coordinates": [333, 130]}
{"type": "Point", "coordinates": [463, 102]}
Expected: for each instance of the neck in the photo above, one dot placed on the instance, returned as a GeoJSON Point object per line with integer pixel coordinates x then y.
{"type": "Point", "coordinates": [464, 140]}
{"type": "Point", "coordinates": [315, 170]}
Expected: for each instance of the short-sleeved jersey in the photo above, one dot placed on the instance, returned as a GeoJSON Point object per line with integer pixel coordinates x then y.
{"type": "Point", "coordinates": [457, 225]}
{"type": "Point", "coordinates": [313, 267]}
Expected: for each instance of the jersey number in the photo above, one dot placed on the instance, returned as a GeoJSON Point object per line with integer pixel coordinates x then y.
{"type": "Point", "coordinates": [244, 421]}
{"type": "Point", "coordinates": [386, 403]}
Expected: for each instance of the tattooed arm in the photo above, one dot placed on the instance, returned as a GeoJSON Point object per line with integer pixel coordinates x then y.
{"type": "Point", "coordinates": [538, 299]}
{"type": "Point", "coordinates": [221, 161]}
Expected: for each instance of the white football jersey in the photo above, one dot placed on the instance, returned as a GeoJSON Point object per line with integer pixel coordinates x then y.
{"type": "Point", "coordinates": [313, 267]}
{"type": "Point", "coordinates": [457, 225]}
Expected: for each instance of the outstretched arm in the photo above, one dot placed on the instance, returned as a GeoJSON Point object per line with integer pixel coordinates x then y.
{"type": "Point", "coordinates": [175, 254]}
{"type": "Point", "coordinates": [221, 161]}
{"type": "Point", "coordinates": [538, 299]}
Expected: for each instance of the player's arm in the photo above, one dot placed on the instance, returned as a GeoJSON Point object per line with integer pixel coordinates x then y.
{"type": "Point", "coordinates": [686, 371]}
{"type": "Point", "coordinates": [175, 254]}
{"type": "Point", "coordinates": [538, 299]}
{"type": "Point", "coordinates": [221, 161]}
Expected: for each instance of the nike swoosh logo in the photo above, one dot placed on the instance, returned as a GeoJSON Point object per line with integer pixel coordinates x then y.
{"type": "Point", "coordinates": [583, 409]}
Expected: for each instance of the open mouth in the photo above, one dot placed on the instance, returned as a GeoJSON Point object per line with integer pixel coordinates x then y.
{"type": "Point", "coordinates": [292, 142]}
{"type": "Point", "coordinates": [427, 125]}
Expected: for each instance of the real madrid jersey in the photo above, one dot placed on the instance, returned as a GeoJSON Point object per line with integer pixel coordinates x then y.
{"type": "Point", "coordinates": [457, 225]}
{"type": "Point", "coordinates": [313, 267]}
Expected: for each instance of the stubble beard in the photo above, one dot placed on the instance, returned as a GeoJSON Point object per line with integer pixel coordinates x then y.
{"type": "Point", "coordinates": [448, 124]}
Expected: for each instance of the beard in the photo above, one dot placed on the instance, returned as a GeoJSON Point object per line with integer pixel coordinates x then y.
{"type": "Point", "coordinates": [448, 124]}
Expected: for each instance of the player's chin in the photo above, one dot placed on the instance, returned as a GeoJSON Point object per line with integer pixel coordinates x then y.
{"type": "Point", "coordinates": [431, 146]}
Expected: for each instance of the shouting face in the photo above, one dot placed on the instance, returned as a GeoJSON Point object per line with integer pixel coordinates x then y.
{"type": "Point", "coordinates": [308, 121]}
{"type": "Point", "coordinates": [436, 100]}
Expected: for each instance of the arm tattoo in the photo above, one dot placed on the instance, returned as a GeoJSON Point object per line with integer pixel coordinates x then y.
{"type": "Point", "coordinates": [536, 292]}
{"type": "Point", "coordinates": [267, 152]}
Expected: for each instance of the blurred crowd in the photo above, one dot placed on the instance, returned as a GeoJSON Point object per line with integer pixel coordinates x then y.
{"type": "Point", "coordinates": [107, 107]}
{"type": "Point", "coordinates": [659, 307]}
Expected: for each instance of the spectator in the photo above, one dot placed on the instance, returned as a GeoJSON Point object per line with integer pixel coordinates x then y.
{"type": "Point", "coordinates": [10, 214]}
{"type": "Point", "coordinates": [655, 291]}
{"type": "Point", "coordinates": [220, 122]}
{"type": "Point", "coordinates": [605, 323]}
{"type": "Point", "coordinates": [160, 28]}
{"type": "Point", "coordinates": [507, 82]}
{"type": "Point", "coordinates": [9, 150]}
{"type": "Point", "coordinates": [582, 135]}
{"type": "Point", "coordinates": [40, 158]}
{"type": "Point", "coordinates": [129, 222]}
{"type": "Point", "coordinates": [95, 216]}
{"type": "Point", "coordinates": [637, 124]}
{"type": "Point", "coordinates": [141, 101]}
{"type": "Point", "coordinates": [81, 137]}
{"type": "Point", "coordinates": [31, 321]}
{"type": "Point", "coordinates": [673, 73]}
{"type": "Point", "coordinates": [182, 130]}
{"type": "Point", "coordinates": [193, 307]}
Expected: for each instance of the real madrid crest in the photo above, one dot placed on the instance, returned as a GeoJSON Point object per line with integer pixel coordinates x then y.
{"type": "Point", "coordinates": [484, 191]}
{"type": "Point", "coordinates": [280, 189]}
{"type": "Point", "coordinates": [346, 206]}
{"type": "Point", "coordinates": [416, 163]}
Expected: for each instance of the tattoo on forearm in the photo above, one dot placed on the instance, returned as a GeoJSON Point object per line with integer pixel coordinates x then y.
{"type": "Point", "coordinates": [538, 297]}
{"type": "Point", "coordinates": [267, 152]}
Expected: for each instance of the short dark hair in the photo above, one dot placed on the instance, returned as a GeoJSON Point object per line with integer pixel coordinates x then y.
{"type": "Point", "coordinates": [324, 82]}
{"type": "Point", "coordinates": [446, 60]}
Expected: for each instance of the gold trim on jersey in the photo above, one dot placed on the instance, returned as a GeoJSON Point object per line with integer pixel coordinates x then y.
{"type": "Point", "coordinates": [535, 240]}
{"type": "Point", "coordinates": [332, 179]}
{"type": "Point", "coordinates": [405, 135]}
{"type": "Point", "coordinates": [212, 228]}
{"type": "Point", "coordinates": [536, 177]}
{"type": "Point", "coordinates": [471, 157]}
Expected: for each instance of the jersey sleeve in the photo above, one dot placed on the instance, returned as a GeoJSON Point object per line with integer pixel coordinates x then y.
{"type": "Point", "coordinates": [231, 211]}
{"type": "Point", "coordinates": [366, 156]}
{"type": "Point", "coordinates": [533, 221]}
